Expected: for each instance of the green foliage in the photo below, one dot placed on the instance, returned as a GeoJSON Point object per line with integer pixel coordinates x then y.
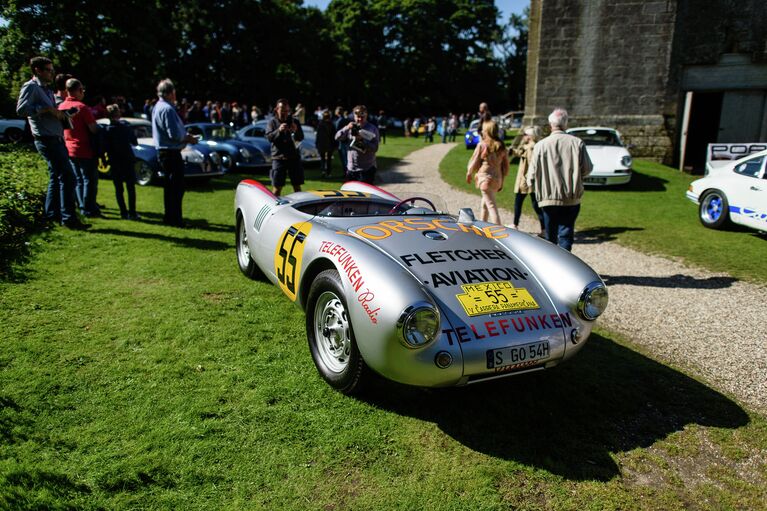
{"type": "Point", "coordinates": [23, 182]}
{"type": "Point", "coordinates": [651, 214]}
{"type": "Point", "coordinates": [408, 57]}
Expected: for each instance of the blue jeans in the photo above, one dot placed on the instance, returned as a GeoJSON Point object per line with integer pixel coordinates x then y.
{"type": "Point", "coordinates": [60, 199]}
{"type": "Point", "coordinates": [560, 224]}
{"type": "Point", "coordinates": [86, 185]}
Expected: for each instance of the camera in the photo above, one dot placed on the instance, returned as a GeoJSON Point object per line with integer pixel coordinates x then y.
{"type": "Point", "coordinates": [355, 130]}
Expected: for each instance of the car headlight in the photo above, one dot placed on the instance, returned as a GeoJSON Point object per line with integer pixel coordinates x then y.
{"type": "Point", "coordinates": [593, 301]}
{"type": "Point", "coordinates": [195, 156]}
{"type": "Point", "coordinates": [215, 158]}
{"type": "Point", "coordinates": [626, 160]}
{"type": "Point", "coordinates": [418, 325]}
{"type": "Point", "coordinates": [245, 153]}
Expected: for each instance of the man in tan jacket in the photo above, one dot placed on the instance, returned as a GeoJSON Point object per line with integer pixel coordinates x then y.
{"type": "Point", "coordinates": [556, 172]}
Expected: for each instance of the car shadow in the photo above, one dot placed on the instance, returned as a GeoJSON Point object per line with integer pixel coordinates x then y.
{"type": "Point", "coordinates": [196, 223]}
{"type": "Point", "coordinates": [672, 281]}
{"type": "Point", "coordinates": [597, 235]}
{"type": "Point", "coordinates": [197, 243]}
{"type": "Point", "coordinates": [639, 183]}
{"type": "Point", "coordinates": [570, 420]}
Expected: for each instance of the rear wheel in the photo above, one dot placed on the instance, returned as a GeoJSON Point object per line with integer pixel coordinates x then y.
{"type": "Point", "coordinates": [144, 173]}
{"type": "Point", "coordinates": [246, 264]}
{"type": "Point", "coordinates": [714, 210]}
{"type": "Point", "coordinates": [14, 135]}
{"type": "Point", "coordinates": [331, 337]}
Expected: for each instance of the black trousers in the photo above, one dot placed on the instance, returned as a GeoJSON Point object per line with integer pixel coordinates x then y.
{"type": "Point", "coordinates": [173, 185]}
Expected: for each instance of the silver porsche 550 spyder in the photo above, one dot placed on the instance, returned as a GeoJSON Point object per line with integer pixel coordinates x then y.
{"type": "Point", "coordinates": [398, 286]}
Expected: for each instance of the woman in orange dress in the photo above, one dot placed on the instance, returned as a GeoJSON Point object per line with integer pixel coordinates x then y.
{"type": "Point", "coordinates": [489, 166]}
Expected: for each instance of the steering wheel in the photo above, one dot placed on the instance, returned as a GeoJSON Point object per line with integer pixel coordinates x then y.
{"type": "Point", "coordinates": [412, 200]}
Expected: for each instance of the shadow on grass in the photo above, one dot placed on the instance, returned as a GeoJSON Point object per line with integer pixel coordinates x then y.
{"type": "Point", "coordinates": [569, 420]}
{"type": "Point", "coordinates": [639, 183]}
{"type": "Point", "coordinates": [673, 281]}
{"type": "Point", "coordinates": [597, 235]}
{"type": "Point", "coordinates": [196, 223]}
{"type": "Point", "coordinates": [197, 243]}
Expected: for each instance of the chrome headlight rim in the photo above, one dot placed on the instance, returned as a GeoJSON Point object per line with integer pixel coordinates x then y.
{"type": "Point", "coordinates": [215, 158]}
{"type": "Point", "coordinates": [626, 160]}
{"type": "Point", "coordinates": [586, 303]}
{"type": "Point", "coordinates": [404, 324]}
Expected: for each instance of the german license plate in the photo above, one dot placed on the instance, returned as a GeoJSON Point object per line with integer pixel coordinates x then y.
{"type": "Point", "coordinates": [496, 296]}
{"type": "Point", "coordinates": [596, 180]}
{"type": "Point", "coordinates": [518, 355]}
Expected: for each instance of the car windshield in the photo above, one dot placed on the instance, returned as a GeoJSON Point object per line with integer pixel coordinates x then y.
{"type": "Point", "coordinates": [348, 204]}
{"type": "Point", "coordinates": [598, 137]}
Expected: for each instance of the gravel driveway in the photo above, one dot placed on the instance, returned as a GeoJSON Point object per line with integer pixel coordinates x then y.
{"type": "Point", "coordinates": [706, 323]}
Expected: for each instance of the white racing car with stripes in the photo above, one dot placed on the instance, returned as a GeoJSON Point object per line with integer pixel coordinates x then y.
{"type": "Point", "coordinates": [399, 287]}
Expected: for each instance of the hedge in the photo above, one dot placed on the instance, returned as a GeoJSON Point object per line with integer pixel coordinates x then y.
{"type": "Point", "coordinates": [23, 183]}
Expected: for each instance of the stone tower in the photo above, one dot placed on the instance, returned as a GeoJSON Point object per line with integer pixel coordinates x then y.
{"type": "Point", "coordinates": [644, 67]}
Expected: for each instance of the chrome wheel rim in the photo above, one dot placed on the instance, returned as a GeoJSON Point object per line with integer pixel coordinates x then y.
{"type": "Point", "coordinates": [144, 174]}
{"type": "Point", "coordinates": [243, 252]}
{"type": "Point", "coordinates": [331, 332]}
{"type": "Point", "coordinates": [712, 208]}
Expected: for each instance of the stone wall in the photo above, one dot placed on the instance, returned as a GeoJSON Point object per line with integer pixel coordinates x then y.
{"type": "Point", "coordinates": [607, 62]}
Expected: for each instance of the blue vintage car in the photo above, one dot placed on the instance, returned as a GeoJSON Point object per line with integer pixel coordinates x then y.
{"type": "Point", "coordinates": [235, 152]}
{"type": "Point", "coordinates": [471, 138]}
{"type": "Point", "coordinates": [199, 160]}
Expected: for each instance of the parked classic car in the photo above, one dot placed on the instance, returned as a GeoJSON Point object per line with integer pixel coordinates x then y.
{"type": "Point", "coordinates": [735, 192]}
{"type": "Point", "coordinates": [612, 161]}
{"type": "Point", "coordinates": [397, 286]}
{"type": "Point", "coordinates": [199, 160]}
{"type": "Point", "coordinates": [307, 147]}
{"type": "Point", "coordinates": [234, 151]}
{"type": "Point", "coordinates": [471, 137]}
{"type": "Point", "coordinates": [13, 130]}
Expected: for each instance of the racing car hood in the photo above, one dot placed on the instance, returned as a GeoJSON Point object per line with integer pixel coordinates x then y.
{"type": "Point", "coordinates": [485, 290]}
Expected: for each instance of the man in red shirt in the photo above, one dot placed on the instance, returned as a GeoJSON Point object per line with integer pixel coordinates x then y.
{"type": "Point", "coordinates": [79, 147]}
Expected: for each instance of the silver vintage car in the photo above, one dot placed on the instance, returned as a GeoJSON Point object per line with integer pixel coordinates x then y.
{"type": "Point", "coordinates": [397, 286]}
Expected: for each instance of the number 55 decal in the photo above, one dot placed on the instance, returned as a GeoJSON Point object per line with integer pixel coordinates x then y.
{"type": "Point", "coordinates": [287, 257]}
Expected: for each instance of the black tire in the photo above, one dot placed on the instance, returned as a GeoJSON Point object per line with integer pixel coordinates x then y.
{"type": "Point", "coordinates": [14, 135]}
{"type": "Point", "coordinates": [245, 263]}
{"type": "Point", "coordinates": [714, 210]}
{"type": "Point", "coordinates": [331, 336]}
{"type": "Point", "coordinates": [144, 173]}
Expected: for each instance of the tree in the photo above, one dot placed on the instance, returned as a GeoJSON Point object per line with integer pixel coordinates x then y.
{"type": "Point", "coordinates": [512, 45]}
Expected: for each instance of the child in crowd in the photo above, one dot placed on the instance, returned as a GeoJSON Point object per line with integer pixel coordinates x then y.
{"type": "Point", "coordinates": [119, 139]}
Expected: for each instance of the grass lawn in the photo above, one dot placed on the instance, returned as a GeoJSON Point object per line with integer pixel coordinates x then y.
{"type": "Point", "coordinates": [140, 370]}
{"type": "Point", "coordinates": [652, 215]}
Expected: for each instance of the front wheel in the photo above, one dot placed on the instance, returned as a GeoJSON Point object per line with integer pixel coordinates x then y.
{"type": "Point", "coordinates": [714, 211]}
{"type": "Point", "coordinates": [246, 263]}
{"type": "Point", "coordinates": [144, 173]}
{"type": "Point", "coordinates": [14, 135]}
{"type": "Point", "coordinates": [331, 336]}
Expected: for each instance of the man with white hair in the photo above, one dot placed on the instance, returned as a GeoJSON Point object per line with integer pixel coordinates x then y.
{"type": "Point", "coordinates": [170, 137]}
{"type": "Point", "coordinates": [559, 164]}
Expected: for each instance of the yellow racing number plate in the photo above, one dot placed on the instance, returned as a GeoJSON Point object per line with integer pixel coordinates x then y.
{"type": "Point", "coordinates": [496, 296]}
{"type": "Point", "coordinates": [288, 257]}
